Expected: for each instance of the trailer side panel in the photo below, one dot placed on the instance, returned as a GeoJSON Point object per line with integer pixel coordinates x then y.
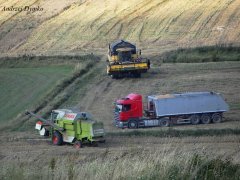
{"type": "Point", "coordinates": [188, 103]}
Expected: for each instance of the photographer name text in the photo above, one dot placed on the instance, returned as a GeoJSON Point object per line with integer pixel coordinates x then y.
{"type": "Point", "coordinates": [25, 8]}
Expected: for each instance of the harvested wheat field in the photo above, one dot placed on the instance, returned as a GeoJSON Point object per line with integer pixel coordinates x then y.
{"type": "Point", "coordinates": [64, 27]}
{"type": "Point", "coordinates": [185, 151]}
{"type": "Point", "coordinates": [120, 157]}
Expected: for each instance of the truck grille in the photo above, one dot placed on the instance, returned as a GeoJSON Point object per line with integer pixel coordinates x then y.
{"type": "Point", "coordinates": [116, 118]}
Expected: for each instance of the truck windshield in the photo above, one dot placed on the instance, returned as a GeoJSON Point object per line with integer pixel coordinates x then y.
{"type": "Point", "coordinates": [118, 108]}
{"type": "Point", "coordinates": [123, 107]}
{"type": "Point", "coordinates": [126, 107]}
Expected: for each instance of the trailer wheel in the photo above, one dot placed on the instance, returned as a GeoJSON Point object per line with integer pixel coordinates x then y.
{"type": "Point", "coordinates": [205, 119]}
{"type": "Point", "coordinates": [195, 119]}
{"type": "Point", "coordinates": [216, 118]}
{"type": "Point", "coordinates": [132, 124]}
{"type": "Point", "coordinates": [165, 123]}
{"type": "Point", "coordinates": [57, 138]}
{"type": "Point", "coordinates": [78, 144]}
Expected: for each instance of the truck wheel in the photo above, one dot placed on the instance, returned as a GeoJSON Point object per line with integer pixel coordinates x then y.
{"type": "Point", "coordinates": [132, 124]}
{"type": "Point", "coordinates": [205, 119]}
{"type": "Point", "coordinates": [195, 119]}
{"type": "Point", "coordinates": [216, 118]}
{"type": "Point", "coordinates": [57, 138]}
{"type": "Point", "coordinates": [78, 144]}
{"type": "Point", "coordinates": [165, 123]}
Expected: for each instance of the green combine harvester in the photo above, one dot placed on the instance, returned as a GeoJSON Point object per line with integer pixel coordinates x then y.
{"type": "Point", "coordinates": [67, 126]}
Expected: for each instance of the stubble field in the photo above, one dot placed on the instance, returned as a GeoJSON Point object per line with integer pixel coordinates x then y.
{"type": "Point", "coordinates": [182, 151]}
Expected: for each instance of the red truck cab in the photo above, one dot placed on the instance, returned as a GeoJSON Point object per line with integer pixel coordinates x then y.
{"type": "Point", "coordinates": [128, 109]}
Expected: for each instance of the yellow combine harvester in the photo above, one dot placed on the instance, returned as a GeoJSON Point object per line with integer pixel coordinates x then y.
{"type": "Point", "coordinates": [125, 60]}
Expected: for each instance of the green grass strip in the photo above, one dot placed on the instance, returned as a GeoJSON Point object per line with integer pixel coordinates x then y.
{"type": "Point", "coordinates": [178, 133]}
{"type": "Point", "coordinates": [202, 54]}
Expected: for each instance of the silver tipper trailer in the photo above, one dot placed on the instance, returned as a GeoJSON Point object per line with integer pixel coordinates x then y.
{"type": "Point", "coordinates": [192, 107]}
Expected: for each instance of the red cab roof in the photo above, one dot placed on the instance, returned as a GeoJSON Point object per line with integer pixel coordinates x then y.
{"type": "Point", "coordinates": [129, 98]}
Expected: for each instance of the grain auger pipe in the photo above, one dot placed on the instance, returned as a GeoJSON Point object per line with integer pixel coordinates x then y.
{"type": "Point", "coordinates": [43, 120]}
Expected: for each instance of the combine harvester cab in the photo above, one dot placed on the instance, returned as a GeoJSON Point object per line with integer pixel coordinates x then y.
{"type": "Point", "coordinates": [163, 110]}
{"type": "Point", "coordinates": [70, 127]}
{"type": "Point", "coordinates": [124, 60]}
